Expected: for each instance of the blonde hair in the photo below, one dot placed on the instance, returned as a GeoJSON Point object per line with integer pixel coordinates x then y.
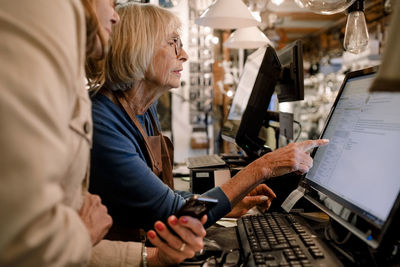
{"type": "Point", "coordinates": [94, 65]}
{"type": "Point", "coordinates": [135, 38]}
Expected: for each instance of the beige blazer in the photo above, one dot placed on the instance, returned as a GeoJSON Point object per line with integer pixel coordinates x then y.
{"type": "Point", "coordinates": [45, 138]}
{"type": "Point", "coordinates": [44, 142]}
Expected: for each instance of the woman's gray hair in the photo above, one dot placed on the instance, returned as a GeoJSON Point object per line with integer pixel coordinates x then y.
{"type": "Point", "coordinates": [141, 30]}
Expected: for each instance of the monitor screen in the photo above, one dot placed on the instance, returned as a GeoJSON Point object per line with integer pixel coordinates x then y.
{"type": "Point", "coordinates": [358, 168]}
{"type": "Point", "coordinates": [264, 72]}
{"type": "Point", "coordinates": [255, 113]}
{"type": "Point", "coordinates": [291, 85]}
{"type": "Point", "coordinates": [242, 95]}
{"type": "Point", "coordinates": [246, 84]}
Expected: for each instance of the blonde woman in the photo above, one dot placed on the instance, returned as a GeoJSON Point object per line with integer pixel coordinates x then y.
{"type": "Point", "coordinates": [145, 61]}
{"type": "Point", "coordinates": [44, 140]}
{"type": "Point", "coordinates": [169, 250]}
{"type": "Point", "coordinates": [48, 218]}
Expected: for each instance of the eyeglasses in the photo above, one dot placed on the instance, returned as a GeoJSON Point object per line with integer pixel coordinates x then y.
{"type": "Point", "coordinates": [177, 43]}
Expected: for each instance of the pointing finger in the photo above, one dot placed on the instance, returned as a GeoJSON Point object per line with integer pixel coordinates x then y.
{"type": "Point", "coordinates": [310, 144]}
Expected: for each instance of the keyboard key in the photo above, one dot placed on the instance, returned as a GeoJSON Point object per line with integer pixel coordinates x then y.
{"type": "Point", "coordinates": [280, 246]}
{"type": "Point", "coordinates": [291, 258]}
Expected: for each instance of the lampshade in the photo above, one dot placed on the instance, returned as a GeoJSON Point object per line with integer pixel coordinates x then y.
{"type": "Point", "coordinates": [249, 37]}
{"type": "Point", "coordinates": [227, 14]}
{"type": "Point", "coordinates": [388, 78]}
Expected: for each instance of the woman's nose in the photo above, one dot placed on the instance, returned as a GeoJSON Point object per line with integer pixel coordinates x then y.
{"type": "Point", "coordinates": [183, 56]}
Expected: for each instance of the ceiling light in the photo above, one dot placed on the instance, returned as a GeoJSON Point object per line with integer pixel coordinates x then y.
{"type": "Point", "coordinates": [256, 15]}
{"type": "Point", "coordinates": [227, 14]}
{"type": "Point", "coordinates": [326, 7]}
{"type": "Point", "coordinates": [388, 78]}
{"type": "Point", "coordinates": [247, 38]}
{"type": "Point", "coordinates": [215, 40]}
{"type": "Point", "coordinates": [277, 2]}
{"type": "Point", "coordinates": [356, 34]}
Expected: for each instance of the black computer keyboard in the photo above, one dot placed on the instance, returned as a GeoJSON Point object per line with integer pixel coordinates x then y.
{"type": "Point", "coordinates": [276, 239]}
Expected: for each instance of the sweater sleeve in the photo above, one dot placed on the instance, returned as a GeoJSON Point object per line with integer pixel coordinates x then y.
{"type": "Point", "coordinates": [41, 64]}
{"type": "Point", "coordinates": [115, 254]}
{"type": "Point", "coordinates": [134, 195]}
{"type": "Point", "coordinates": [220, 210]}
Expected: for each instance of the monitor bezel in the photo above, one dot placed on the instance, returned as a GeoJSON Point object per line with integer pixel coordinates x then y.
{"type": "Point", "coordinates": [374, 235]}
{"type": "Point", "coordinates": [247, 136]}
{"type": "Point", "coordinates": [292, 73]}
{"type": "Point", "coordinates": [271, 74]}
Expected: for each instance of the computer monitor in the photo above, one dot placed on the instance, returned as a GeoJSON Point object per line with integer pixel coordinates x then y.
{"type": "Point", "coordinates": [242, 95]}
{"type": "Point", "coordinates": [355, 178]}
{"type": "Point", "coordinates": [265, 71]}
{"type": "Point", "coordinates": [291, 84]}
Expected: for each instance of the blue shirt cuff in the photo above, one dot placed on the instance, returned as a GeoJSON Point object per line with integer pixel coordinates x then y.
{"type": "Point", "coordinates": [221, 209]}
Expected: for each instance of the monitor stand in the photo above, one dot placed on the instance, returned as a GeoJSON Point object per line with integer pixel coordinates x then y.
{"type": "Point", "coordinates": [357, 253]}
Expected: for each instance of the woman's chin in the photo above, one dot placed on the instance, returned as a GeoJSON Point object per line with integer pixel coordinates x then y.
{"type": "Point", "coordinates": [173, 86]}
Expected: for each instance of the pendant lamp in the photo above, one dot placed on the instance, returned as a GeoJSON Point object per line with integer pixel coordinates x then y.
{"type": "Point", "coordinates": [227, 14]}
{"type": "Point", "coordinates": [247, 38]}
{"type": "Point", "coordinates": [388, 78]}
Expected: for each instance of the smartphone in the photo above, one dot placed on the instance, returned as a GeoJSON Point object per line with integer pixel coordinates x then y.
{"type": "Point", "coordinates": [197, 206]}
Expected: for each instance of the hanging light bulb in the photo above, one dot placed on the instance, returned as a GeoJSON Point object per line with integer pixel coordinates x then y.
{"type": "Point", "coordinates": [356, 34]}
{"type": "Point", "coordinates": [325, 7]}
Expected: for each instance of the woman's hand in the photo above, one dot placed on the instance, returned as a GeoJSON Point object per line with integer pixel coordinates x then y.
{"type": "Point", "coordinates": [95, 217]}
{"type": "Point", "coordinates": [260, 196]}
{"type": "Point", "coordinates": [294, 157]}
{"type": "Point", "coordinates": [176, 247]}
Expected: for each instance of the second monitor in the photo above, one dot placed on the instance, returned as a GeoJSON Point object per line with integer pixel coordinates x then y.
{"type": "Point", "coordinates": [281, 72]}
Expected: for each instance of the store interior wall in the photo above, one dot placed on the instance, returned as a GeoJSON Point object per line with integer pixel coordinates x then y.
{"type": "Point", "coordinates": [181, 128]}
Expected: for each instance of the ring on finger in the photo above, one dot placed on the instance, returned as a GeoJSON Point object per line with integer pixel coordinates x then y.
{"type": "Point", "coordinates": [182, 248]}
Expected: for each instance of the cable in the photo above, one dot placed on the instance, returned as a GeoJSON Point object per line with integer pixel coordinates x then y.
{"type": "Point", "coordinates": [300, 128]}
{"type": "Point", "coordinates": [330, 233]}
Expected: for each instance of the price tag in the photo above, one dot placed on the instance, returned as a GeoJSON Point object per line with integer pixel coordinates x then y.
{"type": "Point", "coordinates": [292, 199]}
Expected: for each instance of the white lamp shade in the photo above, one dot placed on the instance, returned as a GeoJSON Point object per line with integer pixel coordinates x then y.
{"type": "Point", "coordinates": [388, 78]}
{"type": "Point", "coordinates": [227, 14]}
{"type": "Point", "coordinates": [250, 38]}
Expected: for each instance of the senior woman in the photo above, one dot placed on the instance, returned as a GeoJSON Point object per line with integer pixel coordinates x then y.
{"type": "Point", "coordinates": [145, 61]}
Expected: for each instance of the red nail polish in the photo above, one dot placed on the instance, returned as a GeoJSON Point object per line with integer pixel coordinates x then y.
{"type": "Point", "coordinates": [151, 234]}
{"type": "Point", "coordinates": [174, 221]}
{"type": "Point", "coordinates": [184, 220]}
{"type": "Point", "coordinates": [159, 227]}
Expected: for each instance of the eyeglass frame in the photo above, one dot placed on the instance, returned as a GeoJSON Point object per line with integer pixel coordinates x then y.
{"type": "Point", "coordinates": [177, 45]}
